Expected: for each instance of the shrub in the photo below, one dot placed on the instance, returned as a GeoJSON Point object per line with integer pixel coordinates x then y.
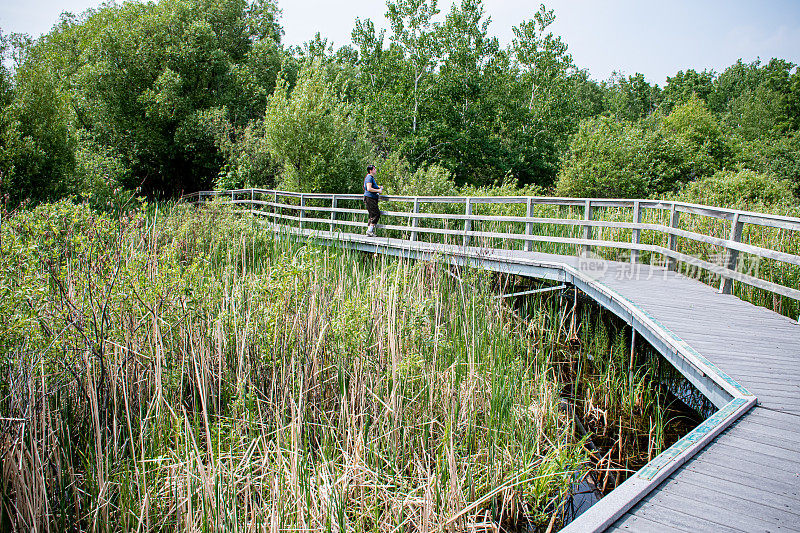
{"type": "Point", "coordinates": [310, 132]}
{"type": "Point", "coordinates": [610, 158]}
{"type": "Point", "coordinates": [743, 188]}
{"type": "Point", "coordinates": [605, 159]}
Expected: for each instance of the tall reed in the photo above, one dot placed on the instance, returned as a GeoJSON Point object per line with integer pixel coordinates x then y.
{"type": "Point", "coordinates": [185, 370]}
{"type": "Point", "coordinates": [182, 369]}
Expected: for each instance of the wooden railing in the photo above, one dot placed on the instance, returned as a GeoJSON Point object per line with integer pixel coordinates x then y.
{"type": "Point", "coordinates": [582, 229]}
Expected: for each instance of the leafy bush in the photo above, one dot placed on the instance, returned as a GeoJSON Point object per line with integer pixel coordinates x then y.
{"type": "Point", "coordinates": [610, 158]}
{"type": "Point", "coordinates": [248, 160]}
{"type": "Point", "coordinates": [99, 170]}
{"type": "Point", "coordinates": [311, 133]}
{"type": "Point", "coordinates": [699, 137]}
{"type": "Point", "coordinates": [745, 189]}
{"type": "Point", "coordinates": [770, 154]}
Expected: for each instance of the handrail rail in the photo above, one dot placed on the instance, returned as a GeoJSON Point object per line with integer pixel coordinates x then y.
{"type": "Point", "coordinates": [276, 206]}
{"type": "Point", "coordinates": [722, 213]}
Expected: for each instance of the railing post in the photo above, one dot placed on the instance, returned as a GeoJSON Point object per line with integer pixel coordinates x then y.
{"type": "Point", "coordinates": [252, 200]}
{"type": "Point", "coordinates": [334, 203]}
{"type": "Point", "coordinates": [672, 239]}
{"type": "Point", "coordinates": [637, 219]}
{"type": "Point", "coordinates": [415, 220]}
{"type": "Point", "coordinates": [731, 256]}
{"type": "Point", "coordinates": [587, 229]}
{"type": "Point", "coordinates": [529, 225]}
{"type": "Point", "coordinates": [467, 221]}
{"type": "Point", "coordinates": [302, 211]}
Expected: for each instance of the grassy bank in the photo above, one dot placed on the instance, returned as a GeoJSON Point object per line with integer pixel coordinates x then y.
{"type": "Point", "coordinates": [183, 370]}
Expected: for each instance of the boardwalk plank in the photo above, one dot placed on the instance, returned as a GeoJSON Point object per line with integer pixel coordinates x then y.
{"type": "Point", "coordinates": [700, 308]}
{"type": "Point", "coordinates": [648, 523]}
{"type": "Point", "coordinates": [704, 344]}
{"type": "Point", "coordinates": [702, 333]}
{"type": "Point", "coordinates": [735, 458]}
{"type": "Point", "coordinates": [756, 443]}
{"type": "Point", "coordinates": [707, 501]}
{"type": "Point", "coordinates": [780, 419]}
{"type": "Point", "coordinates": [771, 492]}
{"type": "Point", "coordinates": [755, 361]}
{"type": "Point", "coordinates": [752, 374]}
{"type": "Point", "coordinates": [752, 364]}
{"type": "Point", "coordinates": [710, 506]}
{"type": "Point", "coordinates": [736, 467]}
{"type": "Point", "coordinates": [769, 390]}
{"type": "Point", "coordinates": [781, 437]}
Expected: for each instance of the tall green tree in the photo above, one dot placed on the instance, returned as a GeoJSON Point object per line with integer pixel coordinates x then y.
{"type": "Point", "coordinates": [136, 78]}
{"type": "Point", "coordinates": [544, 110]}
{"type": "Point", "coordinates": [39, 132]}
{"type": "Point", "coordinates": [631, 98]}
{"type": "Point", "coordinates": [462, 133]}
{"type": "Point", "coordinates": [680, 88]}
{"type": "Point", "coordinates": [542, 56]}
{"type": "Point", "coordinates": [312, 135]}
{"type": "Point", "coordinates": [382, 88]}
{"type": "Point", "coordinates": [415, 33]}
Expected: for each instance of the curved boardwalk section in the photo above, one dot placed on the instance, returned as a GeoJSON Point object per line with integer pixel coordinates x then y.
{"type": "Point", "coordinates": [740, 469]}
{"type": "Point", "coordinates": [748, 477]}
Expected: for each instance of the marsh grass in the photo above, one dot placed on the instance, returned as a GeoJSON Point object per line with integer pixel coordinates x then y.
{"type": "Point", "coordinates": [180, 369]}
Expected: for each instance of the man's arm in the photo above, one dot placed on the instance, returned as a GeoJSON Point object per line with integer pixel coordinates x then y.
{"type": "Point", "coordinates": [370, 188]}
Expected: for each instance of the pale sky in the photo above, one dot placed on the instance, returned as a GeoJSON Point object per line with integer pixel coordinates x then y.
{"type": "Point", "coordinates": [654, 38]}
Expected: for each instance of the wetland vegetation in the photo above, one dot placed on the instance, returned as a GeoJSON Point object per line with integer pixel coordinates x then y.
{"type": "Point", "coordinates": [181, 369]}
{"type": "Point", "coordinates": [172, 368]}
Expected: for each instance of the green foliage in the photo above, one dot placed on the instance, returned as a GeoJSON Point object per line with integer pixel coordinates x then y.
{"type": "Point", "coordinates": [681, 87]}
{"type": "Point", "coordinates": [180, 95]}
{"type": "Point", "coordinates": [630, 98]}
{"type": "Point", "coordinates": [415, 34]}
{"type": "Point", "coordinates": [778, 155]}
{"type": "Point", "coordinates": [248, 159]}
{"type": "Point", "coordinates": [541, 111]}
{"type": "Point", "coordinates": [600, 162]}
{"type": "Point", "coordinates": [312, 134]}
{"type": "Point", "coordinates": [704, 149]}
{"type": "Point", "coordinates": [99, 170]}
{"type": "Point", "coordinates": [757, 113]}
{"type": "Point", "coordinates": [743, 189]}
{"type": "Point", "coordinates": [38, 136]}
{"type": "Point", "coordinates": [135, 79]}
{"type": "Point", "coordinates": [612, 159]}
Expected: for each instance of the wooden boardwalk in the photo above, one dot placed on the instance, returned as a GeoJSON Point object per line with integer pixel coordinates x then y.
{"type": "Point", "coordinates": [739, 470]}
{"type": "Point", "coordinates": [748, 477]}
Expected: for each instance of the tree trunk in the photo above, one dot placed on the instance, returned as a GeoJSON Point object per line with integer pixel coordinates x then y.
{"type": "Point", "coordinates": [416, 101]}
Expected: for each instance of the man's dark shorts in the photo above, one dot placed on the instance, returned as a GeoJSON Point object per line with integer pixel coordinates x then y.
{"type": "Point", "coordinates": [372, 209]}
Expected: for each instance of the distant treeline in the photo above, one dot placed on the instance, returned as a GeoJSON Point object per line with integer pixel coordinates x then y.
{"type": "Point", "coordinates": [183, 95]}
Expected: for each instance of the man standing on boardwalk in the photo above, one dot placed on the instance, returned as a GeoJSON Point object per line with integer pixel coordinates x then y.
{"type": "Point", "coordinates": [372, 193]}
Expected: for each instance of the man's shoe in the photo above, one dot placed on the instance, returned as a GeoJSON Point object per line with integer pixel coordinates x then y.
{"type": "Point", "coordinates": [370, 231]}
